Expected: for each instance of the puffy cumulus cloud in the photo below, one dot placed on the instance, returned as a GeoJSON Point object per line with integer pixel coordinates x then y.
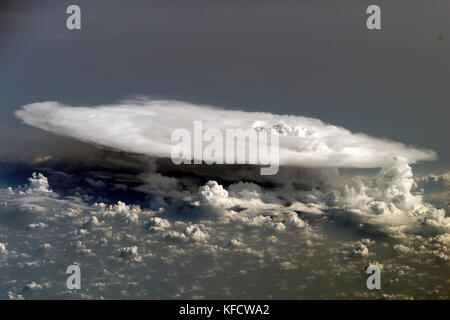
{"type": "Point", "coordinates": [157, 184]}
{"type": "Point", "coordinates": [213, 193]}
{"type": "Point", "coordinates": [245, 190]}
{"type": "Point", "coordinates": [361, 249]}
{"type": "Point", "coordinates": [195, 232]}
{"type": "Point", "coordinates": [107, 237]}
{"type": "Point", "coordinates": [388, 202]}
{"type": "Point", "coordinates": [123, 249]}
{"type": "Point", "coordinates": [3, 250]}
{"type": "Point", "coordinates": [249, 205]}
{"type": "Point", "coordinates": [434, 182]}
{"type": "Point", "coordinates": [294, 220]}
{"type": "Point", "coordinates": [38, 183]}
{"type": "Point", "coordinates": [127, 213]}
{"type": "Point", "coordinates": [146, 126]}
{"type": "Point", "coordinates": [286, 265]}
{"type": "Point", "coordinates": [402, 249]}
{"type": "Point", "coordinates": [158, 224]}
{"type": "Point", "coordinates": [12, 296]}
{"type": "Point", "coordinates": [130, 252]}
{"type": "Point", "coordinates": [33, 286]}
{"type": "Point", "coordinates": [435, 189]}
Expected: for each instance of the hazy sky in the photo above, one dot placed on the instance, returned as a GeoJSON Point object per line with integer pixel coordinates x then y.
{"type": "Point", "coordinates": [224, 231]}
{"type": "Point", "coordinates": [311, 58]}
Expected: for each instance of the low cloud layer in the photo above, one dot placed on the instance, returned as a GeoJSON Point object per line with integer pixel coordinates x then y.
{"type": "Point", "coordinates": [234, 237]}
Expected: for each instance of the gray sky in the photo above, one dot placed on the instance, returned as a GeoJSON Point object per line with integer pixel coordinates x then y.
{"type": "Point", "coordinates": [311, 58]}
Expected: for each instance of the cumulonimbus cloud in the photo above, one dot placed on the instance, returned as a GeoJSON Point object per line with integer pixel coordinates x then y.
{"type": "Point", "coordinates": [145, 127]}
{"type": "Point", "coordinates": [387, 203]}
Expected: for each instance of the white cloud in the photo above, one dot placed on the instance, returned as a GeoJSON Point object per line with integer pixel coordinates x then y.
{"type": "Point", "coordinates": [3, 250]}
{"type": "Point", "coordinates": [195, 232]}
{"type": "Point", "coordinates": [361, 250]}
{"type": "Point", "coordinates": [145, 127]}
{"type": "Point", "coordinates": [158, 224]}
{"type": "Point", "coordinates": [130, 252]}
{"type": "Point", "coordinates": [38, 183]}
